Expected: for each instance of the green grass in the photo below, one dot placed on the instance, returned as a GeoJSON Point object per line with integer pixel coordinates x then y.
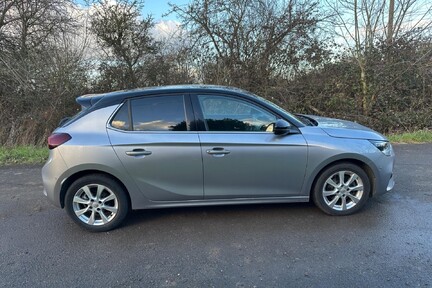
{"type": "Point", "coordinates": [420, 136]}
{"type": "Point", "coordinates": [38, 155]}
{"type": "Point", "coordinates": [23, 155]}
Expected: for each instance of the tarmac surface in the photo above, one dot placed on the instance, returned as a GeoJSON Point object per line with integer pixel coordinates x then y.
{"type": "Point", "coordinates": [387, 244]}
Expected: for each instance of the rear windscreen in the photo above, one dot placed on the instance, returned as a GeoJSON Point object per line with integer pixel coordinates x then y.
{"type": "Point", "coordinates": [68, 120]}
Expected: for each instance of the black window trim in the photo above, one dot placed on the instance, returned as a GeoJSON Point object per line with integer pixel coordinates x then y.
{"type": "Point", "coordinates": [189, 114]}
{"type": "Point", "coordinates": [128, 102]}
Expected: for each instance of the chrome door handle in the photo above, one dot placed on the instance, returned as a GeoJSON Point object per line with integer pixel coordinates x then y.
{"type": "Point", "coordinates": [138, 152]}
{"type": "Point", "coordinates": [218, 151]}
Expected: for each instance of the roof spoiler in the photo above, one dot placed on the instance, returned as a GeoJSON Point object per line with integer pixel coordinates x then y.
{"type": "Point", "coordinates": [88, 100]}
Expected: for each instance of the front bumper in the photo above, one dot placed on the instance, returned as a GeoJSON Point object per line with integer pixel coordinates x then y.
{"type": "Point", "coordinates": [390, 184]}
{"type": "Point", "coordinates": [384, 177]}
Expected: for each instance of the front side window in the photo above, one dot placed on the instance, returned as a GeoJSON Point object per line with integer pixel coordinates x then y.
{"type": "Point", "coordinates": [223, 113]}
{"type": "Point", "coordinates": [161, 113]}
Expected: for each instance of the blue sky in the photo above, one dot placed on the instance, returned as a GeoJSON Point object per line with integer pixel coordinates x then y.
{"type": "Point", "coordinates": [155, 7]}
{"type": "Point", "coordinates": [159, 7]}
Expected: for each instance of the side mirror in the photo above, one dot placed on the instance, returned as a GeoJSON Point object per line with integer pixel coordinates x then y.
{"type": "Point", "coordinates": [281, 127]}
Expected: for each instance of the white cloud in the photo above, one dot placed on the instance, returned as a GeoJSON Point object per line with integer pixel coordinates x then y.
{"type": "Point", "coordinates": [167, 29]}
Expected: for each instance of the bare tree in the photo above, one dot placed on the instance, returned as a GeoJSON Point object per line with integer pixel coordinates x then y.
{"type": "Point", "coordinates": [125, 38]}
{"type": "Point", "coordinates": [247, 42]}
{"type": "Point", "coordinates": [5, 16]}
{"type": "Point", "coordinates": [362, 24]}
{"type": "Point", "coordinates": [390, 22]}
{"type": "Point", "coordinates": [31, 23]}
{"type": "Point", "coordinates": [173, 62]}
{"type": "Point", "coordinates": [40, 71]}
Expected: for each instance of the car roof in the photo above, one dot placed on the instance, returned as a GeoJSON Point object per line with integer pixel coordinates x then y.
{"type": "Point", "coordinates": [92, 102]}
{"type": "Point", "coordinates": [116, 97]}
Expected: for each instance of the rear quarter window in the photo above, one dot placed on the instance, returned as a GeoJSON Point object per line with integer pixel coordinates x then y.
{"type": "Point", "coordinates": [121, 118]}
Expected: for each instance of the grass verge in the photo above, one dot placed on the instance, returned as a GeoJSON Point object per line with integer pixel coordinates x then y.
{"type": "Point", "coordinates": [23, 155]}
{"type": "Point", "coordinates": [420, 136]}
{"type": "Point", "coordinates": [38, 155]}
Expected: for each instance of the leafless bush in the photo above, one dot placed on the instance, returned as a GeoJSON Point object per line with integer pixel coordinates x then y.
{"type": "Point", "coordinates": [362, 60]}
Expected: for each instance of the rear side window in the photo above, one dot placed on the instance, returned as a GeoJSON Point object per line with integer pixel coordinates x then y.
{"type": "Point", "coordinates": [121, 119]}
{"type": "Point", "coordinates": [161, 113]}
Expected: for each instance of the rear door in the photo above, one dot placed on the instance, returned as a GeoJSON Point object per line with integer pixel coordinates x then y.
{"type": "Point", "coordinates": [242, 157]}
{"type": "Point", "coordinates": [153, 138]}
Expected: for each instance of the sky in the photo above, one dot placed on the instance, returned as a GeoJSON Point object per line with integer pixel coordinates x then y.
{"type": "Point", "coordinates": [166, 27]}
{"type": "Point", "coordinates": [159, 7]}
{"type": "Point", "coordinates": [155, 7]}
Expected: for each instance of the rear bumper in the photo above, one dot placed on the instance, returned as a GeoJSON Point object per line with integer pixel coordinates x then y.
{"type": "Point", "coordinates": [51, 172]}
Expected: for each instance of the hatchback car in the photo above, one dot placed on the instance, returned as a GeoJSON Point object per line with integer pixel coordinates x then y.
{"type": "Point", "coordinates": [206, 145]}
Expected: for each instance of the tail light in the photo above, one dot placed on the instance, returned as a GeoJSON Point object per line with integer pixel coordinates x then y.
{"type": "Point", "coordinates": [57, 139]}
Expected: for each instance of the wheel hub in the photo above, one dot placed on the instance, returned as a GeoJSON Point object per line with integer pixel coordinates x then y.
{"type": "Point", "coordinates": [343, 190]}
{"type": "Point", "coordinates": [95, 204]}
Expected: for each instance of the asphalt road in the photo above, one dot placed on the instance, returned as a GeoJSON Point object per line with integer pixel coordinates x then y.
{"type": "Point", "coordinates": [388, 244]}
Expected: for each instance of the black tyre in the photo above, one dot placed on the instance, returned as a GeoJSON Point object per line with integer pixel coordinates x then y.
{"type": "Point", "coordinates": [97, 203]}
{"type": "Point", "coordinates": [341, 189]}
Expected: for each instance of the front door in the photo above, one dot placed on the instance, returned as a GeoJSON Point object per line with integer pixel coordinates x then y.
{"type": "Point", "coordinates": [242, 157]}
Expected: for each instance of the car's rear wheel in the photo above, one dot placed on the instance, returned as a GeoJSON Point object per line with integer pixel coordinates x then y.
{"type": "Point", "coordinates": [341, 189]}
{"type": "Point", "coordinates": [97, 203]}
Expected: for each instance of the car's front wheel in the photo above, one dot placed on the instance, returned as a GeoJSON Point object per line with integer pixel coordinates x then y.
{"type": "Point", "coordinates": [97, 203]}
{"type": "Point", "coordinates": [341, 189]}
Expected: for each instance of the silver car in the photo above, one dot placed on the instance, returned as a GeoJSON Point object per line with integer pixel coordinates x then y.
{"type": "Point", "coordinates": [207, 145]}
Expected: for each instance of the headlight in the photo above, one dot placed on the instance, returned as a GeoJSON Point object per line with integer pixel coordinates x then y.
{"type": "Point", "coordinates": [384, 146]}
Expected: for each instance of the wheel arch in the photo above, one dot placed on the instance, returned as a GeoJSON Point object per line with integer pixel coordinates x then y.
{"type": "Point", "coordinates": [368, 168]}
{"type": "Point", "coordinates": [72, 178]}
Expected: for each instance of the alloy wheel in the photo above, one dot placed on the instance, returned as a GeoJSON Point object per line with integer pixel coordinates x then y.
{"type": "Point", "coordinates": [343, 190]}
{"type": "Point", "coordinates": [95, 204]}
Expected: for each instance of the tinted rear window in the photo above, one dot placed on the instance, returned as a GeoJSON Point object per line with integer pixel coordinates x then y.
{"type": "Point", "coordinates": [68, 120]}
{"type": "Point", "coordinates": [161, 113]}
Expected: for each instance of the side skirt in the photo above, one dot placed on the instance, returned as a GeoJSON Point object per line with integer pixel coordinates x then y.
{"type": "Point", "coordinates": [215, 202]}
